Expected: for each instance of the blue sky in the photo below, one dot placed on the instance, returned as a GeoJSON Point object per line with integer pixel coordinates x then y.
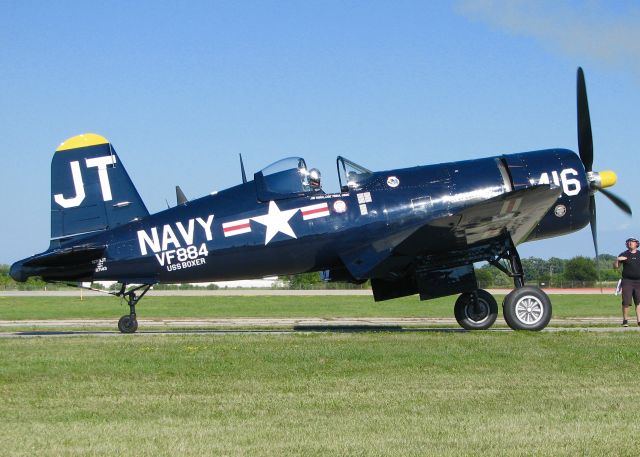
{"type": "Point", "coordinates": [180, 88]}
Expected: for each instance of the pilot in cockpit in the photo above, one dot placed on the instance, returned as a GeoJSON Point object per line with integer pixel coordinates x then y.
{"type": "Point", "coordinates": [314, 179]}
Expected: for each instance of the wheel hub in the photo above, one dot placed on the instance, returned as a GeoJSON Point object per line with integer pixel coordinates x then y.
{"type": "Point", "coordinates": [477, 312]}
{"type": "Point", "coordinates": [529, 310]}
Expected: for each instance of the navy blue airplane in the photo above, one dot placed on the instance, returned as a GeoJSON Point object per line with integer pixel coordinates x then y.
{"type": "Point", "coordinates": [411, 231]}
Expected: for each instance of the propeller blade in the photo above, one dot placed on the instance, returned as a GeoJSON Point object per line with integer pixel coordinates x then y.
{"type": "Point", "coordinates": [620, 203]}
{"type": "Point", "coordinates": [594, 225]}
{"type": "Point", "coordinates": [594, 232]}
{"type": "Point", "coordinates": [585, 139]}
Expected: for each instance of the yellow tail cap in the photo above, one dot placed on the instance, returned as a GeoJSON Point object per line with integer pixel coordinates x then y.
{"type": "Point", "coordinates": [607, 178]}
{"type": "Point", "coordinates": [82, 141]}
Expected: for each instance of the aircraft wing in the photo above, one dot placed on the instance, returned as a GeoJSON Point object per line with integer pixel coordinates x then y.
{"type": "Point", "coordinates": [473, 234]}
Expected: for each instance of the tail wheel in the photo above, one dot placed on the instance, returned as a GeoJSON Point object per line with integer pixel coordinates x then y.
{"type": "Point", "coordinates": [527, 308]}
{"type": "Point", "coordinates": [476, 315]}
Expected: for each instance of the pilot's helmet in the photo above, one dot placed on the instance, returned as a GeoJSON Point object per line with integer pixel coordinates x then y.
{"type": "Point", "coordinates": [629, 240]}
{"type": "Point", "coordinates": [314, 178]}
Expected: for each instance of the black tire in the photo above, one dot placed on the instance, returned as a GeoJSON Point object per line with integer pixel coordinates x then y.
{"type": "Point", "coordinates": [127, 324]}
{"type": "Point", "coordinates": [527, 308]}
{"type": "Point", "coordinates": [478, 317]}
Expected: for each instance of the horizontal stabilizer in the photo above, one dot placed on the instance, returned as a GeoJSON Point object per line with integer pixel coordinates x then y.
{"type": "Point", "coordinates": [77, 262]}
{"type": "Point", "coordinates": [66, 256]}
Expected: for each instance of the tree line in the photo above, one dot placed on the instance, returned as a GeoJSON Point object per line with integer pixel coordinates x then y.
{"type": "Point", "coordinates": [554, 272]}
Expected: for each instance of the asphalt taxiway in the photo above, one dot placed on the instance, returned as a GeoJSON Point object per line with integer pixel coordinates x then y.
{"type": "Point", "coordinates": [150, 327]}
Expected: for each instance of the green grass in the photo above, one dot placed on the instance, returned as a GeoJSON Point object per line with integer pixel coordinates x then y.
{"type": "Point", "coordinates": [315, 394]}
{"type": "Point", "coordinates": [382, 394]}
{"type": "Point", "coordinates": [15, 308]}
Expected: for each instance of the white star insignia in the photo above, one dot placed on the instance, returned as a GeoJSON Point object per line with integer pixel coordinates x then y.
{"type": "Point", "coordinates": [276, 221]}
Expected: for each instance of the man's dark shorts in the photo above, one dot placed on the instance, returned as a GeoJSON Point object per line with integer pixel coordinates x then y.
{"type": "Point", "coordinates": [630, 290]}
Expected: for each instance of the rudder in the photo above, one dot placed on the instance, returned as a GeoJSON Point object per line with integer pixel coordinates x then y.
{"type": "Point", "coordinates": [90, 189]}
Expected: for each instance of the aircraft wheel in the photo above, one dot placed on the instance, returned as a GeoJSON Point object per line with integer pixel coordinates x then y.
{"type": "Point", "coordinates": [476, 316]}
{"type": "Point", "coordinates": [128, 324]}
{"type": "Point", "coordinates": [527, 308]}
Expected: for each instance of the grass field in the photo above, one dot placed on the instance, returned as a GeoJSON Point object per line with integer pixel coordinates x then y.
{"type": "Point", "coordinates": [380, 394]}
{"type": "Point", "coordinates": [16, 308]}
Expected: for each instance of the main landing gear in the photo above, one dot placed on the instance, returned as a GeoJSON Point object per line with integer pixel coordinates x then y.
{"type": "Point", "coordinates": [527, 308]}
{"type": "Point", "coordinates": [524, 308]}
{"type": "Point", "coordinates": [476, 310]}
{"type": "Point", "coordinates": [128, 323]}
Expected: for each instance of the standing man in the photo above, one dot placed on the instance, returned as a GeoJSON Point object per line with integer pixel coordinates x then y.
{"type": "Point", "coordinates": [630, 261]}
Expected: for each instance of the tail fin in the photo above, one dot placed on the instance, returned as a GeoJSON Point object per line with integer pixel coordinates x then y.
{"type": "Point", "coordinates": [90, 189]}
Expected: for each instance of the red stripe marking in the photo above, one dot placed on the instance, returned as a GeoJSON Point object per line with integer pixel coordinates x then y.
{"type": "Point", "coordinates": [236, 227]}
{"type": "Point", "coordinates": [314, 211]}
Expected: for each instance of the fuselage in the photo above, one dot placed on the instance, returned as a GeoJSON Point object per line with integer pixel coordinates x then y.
{"type": "Point", "coordinates": [235, 235]}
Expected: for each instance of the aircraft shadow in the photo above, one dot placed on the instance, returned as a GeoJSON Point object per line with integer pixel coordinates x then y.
{"type": "Point", "coordinates": [295, 329]}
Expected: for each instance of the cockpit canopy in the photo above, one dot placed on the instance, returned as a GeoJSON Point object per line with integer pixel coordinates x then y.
{"type": "Point", "coordinates": [351, 175]}
{"type": "Point", "coordinates": [290, 177]}
{"type": "Point", "coordinates": [285, 178]}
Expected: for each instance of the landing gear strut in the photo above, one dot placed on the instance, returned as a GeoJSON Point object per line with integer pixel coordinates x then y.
{"type": "Point", "coordinates": [128, 323]}
{"type": "Point", "coordinates": [525, 307]}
